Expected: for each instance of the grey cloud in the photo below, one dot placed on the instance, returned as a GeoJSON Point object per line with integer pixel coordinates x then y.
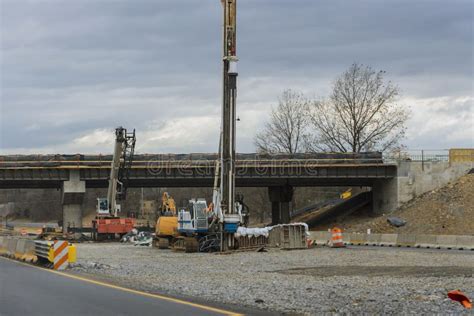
{"type": "Point", "coordinates": [69, 68]}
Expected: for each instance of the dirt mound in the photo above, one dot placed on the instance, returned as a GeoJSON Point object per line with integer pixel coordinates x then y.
{"type": "Point", "coordinates": [448, 210]}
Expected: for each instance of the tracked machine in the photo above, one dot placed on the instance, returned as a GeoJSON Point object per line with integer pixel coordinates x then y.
{"type": "Point", "coordinates": [166, 228]}
{"type": "Point", "coordinates": [107, 223]}
{"type": "Point", "coordinates": [212, 228]}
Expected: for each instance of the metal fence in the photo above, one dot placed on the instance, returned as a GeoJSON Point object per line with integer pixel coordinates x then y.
{"type": "Point", "coordinates": [420, 155]}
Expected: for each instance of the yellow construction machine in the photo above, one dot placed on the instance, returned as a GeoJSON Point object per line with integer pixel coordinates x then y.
{"type": "Point", "coordinates": [346, 194]}
{"type": "Point", "coordinates": [167, 224]}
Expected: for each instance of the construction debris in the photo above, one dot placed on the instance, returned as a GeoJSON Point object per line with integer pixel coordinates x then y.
{"type": "Point", "coordinates": [144, 239]}
{"type": "Point", "coordinates": [131, 236]}
{"type": "Point", "coordinates": [445, 211]}
{"type": "Point", "coordinates": [460, 297]}
{"type": "Point", "coordinates": [396, 221]}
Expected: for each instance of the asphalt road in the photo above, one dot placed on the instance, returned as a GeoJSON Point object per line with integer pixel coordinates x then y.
{"type": "Point", "coordinates": [29, 290]}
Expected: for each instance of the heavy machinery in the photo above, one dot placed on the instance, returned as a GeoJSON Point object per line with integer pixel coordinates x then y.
{"type": "Point", "coordinates": [107, 222]}
{"type": "Point", "coordinates": [212, 228]}
{"type": "Point", "coordinates": [346, 194]}
{"type": "Point", "coordinates": [166, 229]}
{"type": "Point", "coordinates": [168, 205]}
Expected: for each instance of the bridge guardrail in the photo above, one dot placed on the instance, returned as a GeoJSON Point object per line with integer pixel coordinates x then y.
{"type": "Point", "coordinates": [421, 155]}
{"type": "Point", "coordinates": [198, 160]}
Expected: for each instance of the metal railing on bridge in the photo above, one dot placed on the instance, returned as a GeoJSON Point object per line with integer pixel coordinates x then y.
{"type": "Point", "coordinates": [188, 160]}
{"type": "Point", "coordinates": [420, 155]}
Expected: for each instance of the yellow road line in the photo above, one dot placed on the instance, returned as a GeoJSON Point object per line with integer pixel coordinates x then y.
{"type": "Point", "coordinates": [162, 297]}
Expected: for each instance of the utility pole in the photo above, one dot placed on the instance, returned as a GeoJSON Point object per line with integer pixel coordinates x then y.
{"type": "Point", "coordinates": [227, 154]}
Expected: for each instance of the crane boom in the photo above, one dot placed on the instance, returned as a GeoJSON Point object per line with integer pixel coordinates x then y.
{"type": "Point", "coordinates": [119, 170]}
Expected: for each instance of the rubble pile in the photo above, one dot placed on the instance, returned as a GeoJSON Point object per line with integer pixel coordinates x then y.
{"type": "Point", "coordinates": [445, 211]}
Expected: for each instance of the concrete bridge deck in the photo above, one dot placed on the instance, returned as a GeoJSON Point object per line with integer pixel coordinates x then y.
{"type": "Point", "coordinates": [73, 174]}
{"type": "Point", "coordinates": [197, 170]}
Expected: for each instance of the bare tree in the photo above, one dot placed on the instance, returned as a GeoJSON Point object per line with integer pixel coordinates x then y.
{"type": "Point", "coordinates": [285, 131]}
{"type": "Point", "coordinates": [360, 115]}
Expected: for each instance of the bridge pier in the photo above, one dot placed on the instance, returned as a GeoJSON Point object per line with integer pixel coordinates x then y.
{"type": "Point", "coordinates": [385, 195]}
{"type": "Point", "coordinates": [72, 197]}
{"type": "Point", "coordinates": [281, 197]}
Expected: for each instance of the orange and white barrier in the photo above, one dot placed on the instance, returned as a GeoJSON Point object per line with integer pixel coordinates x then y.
{"type": "Point", "coordinates": [61, 254]}
{"type": "Point", "coordinates": [336, 238]}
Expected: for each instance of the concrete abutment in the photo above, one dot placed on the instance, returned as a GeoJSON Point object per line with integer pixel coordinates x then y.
{"type": "Point", "coordinates": [281, 197]}
{"type": "Point", "coordinates": [72, 197]}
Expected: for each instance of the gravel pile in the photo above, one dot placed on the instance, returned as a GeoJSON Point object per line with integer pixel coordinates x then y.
{"type": "Point", "coordinates": [301, 281]}
{"type": "Point", "coordinates": [446, 211]}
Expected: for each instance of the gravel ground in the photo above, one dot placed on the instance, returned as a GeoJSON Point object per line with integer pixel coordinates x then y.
{"type": "Point", "coordinates": [312, 281]}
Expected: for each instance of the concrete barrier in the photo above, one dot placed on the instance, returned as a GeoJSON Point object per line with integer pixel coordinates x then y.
{"type": "Point", "coordinates": [425, 241]}
{"type": "Point", "coordinates": [346, 238]}
{"type": "Point", "coordinates": [11, 247]}
{"type": "Point", "coordinates": [388, 240]}
{"type": "Point", "coordinates": [358, 239]}
{"type": "Point", "coordinates": [400, 240]}
{"type": "Point", "coordinates": [29, 254]}
{"type": "Point", "coordinates": [406, 240]}
{"type": "Point", "coordinates": [3, 249]}
{"type": "Point", "coordinates": [20, 248]}
{"type": "Point", "coordinates": [465, 242]}
{"type": "Point", "coordinates": [373, 239]}
{"type": "Point", "coordinates": [446, 241]}
{"type": "Point", "coordinates": [320, 237]}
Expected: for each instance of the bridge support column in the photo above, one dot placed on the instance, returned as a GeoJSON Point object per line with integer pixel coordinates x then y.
{"type": "Point", "coordinates": [281, 197]}
{"type": "Point", "coordinates": [385, 195]}
{"type": "Point", "coordinates": [72, 197]}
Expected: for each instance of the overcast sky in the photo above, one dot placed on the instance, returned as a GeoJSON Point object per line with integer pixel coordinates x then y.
{"type": "Point", "coordinates": [73, 70]}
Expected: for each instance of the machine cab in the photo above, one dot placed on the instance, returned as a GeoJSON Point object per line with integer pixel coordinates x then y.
{"type": "Point", "coordinates": [194, 219]}
{"type": "Point", "coordinates": [103, 207]}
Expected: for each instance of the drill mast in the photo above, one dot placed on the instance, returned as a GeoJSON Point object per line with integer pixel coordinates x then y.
{"type": "Point", "coordinates": [227, 148]}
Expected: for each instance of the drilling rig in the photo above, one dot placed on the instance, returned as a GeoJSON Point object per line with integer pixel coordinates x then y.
{"type": "Point", "coordinates": [212, 228]}
{"type": "Point", "coordinates": [229, 218]}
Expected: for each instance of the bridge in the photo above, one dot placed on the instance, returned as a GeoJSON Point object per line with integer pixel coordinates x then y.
{"type": "Point", "coordinates": [73, 174]}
